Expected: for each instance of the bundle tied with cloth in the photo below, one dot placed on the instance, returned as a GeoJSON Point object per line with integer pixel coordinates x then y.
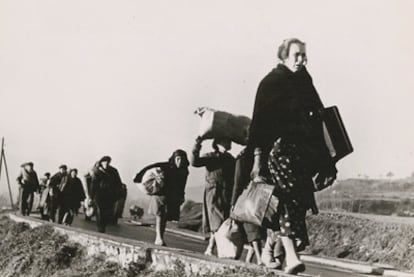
{"type": "Point", "coordinates": [152, 181]}
{"type": "Point", "coordinates": [219, 124]}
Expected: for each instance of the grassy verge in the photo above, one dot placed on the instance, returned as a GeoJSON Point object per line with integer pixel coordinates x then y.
{"type": "Point", "coordinates": [346, 236]}
{"type": "Point", "coordinates": [43, 252]}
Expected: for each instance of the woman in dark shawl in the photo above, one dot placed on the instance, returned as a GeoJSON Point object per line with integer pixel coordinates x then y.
{"type": "Point", "coordinates": [286, 145]}
{"type": "Point", "coordinates": [218, 187]}
{"type": "Point", "coordinates": [165, 205]}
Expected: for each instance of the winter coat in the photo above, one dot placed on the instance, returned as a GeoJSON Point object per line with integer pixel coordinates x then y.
{"type": "Point", "coordinates": [106, 184]}
{"type": "Point", "coordinates": [218, 188]}
{"type": "Point", "coordinates": [28, 180]}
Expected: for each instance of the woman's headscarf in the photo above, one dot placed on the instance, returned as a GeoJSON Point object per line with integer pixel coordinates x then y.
{"type": "Point", "coordinates": [179, 153]}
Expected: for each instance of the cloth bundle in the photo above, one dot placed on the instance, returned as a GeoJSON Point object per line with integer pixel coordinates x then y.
{"type": "Point", "coordinates": [152, 182]}
{"type": "Point", "coordinates": [229, 240]}
{"type": "Point", "coordinates": [219, 124]}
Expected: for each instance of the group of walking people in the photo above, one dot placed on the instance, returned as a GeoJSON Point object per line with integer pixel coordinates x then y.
{"type": "Point", "coordinates": [60, 196]}
{"type": "Point", "coordinates": [285, 148]}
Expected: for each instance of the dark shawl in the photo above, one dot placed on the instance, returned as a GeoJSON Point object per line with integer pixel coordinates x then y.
{"type": "Point", "coordinates": [106, 183]}
{"type": "Point", "coordinates": [288, 106]}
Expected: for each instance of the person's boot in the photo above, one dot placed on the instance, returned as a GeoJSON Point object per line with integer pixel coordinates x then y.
{"type": "Point", "coordinates": [293, 264]}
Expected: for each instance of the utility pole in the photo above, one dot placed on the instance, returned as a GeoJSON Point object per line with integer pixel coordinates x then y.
{"type": "Point", "coordinates": [3, 160]}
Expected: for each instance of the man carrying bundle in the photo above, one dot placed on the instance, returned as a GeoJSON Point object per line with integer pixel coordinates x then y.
{"type": "Point", "coordinates": [29, 183]}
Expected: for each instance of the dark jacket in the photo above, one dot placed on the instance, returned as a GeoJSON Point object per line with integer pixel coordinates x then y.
{"type": "Point", "coordinates": [58, 183]}
{"type": "Point", "coordinates": [78, 193]}
{"type": "Point", "coordinates": [28, 179]}
{"type": "Point", "coordinates": [106, 184]}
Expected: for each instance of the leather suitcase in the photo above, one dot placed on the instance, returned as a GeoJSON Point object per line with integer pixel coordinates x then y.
{"type": "Point", "coordinates": [336, 137]}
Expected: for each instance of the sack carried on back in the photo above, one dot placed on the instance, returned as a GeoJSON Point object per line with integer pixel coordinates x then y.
{"type": "Point", "coordinates": [152, 182]}
{"type": "Point", "coordinates": [218, 124]}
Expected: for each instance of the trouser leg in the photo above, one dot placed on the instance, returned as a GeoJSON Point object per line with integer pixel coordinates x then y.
{"type": "Point", "coordinates": [60, 214]}
{"type": "Point", "coordinates": [52, 210]}
{"type": "Point", "coordinates": [24, 195]}
{"type": "Point", "coordinates": [100, 219]}
{"type": "Point", "coordinates": [104, 214]}
{"type": "Point", "coordinates": [30, 200]}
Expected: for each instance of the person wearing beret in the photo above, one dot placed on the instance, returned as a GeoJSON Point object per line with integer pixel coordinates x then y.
{"type": "Point", "coordinates": [29, 183]}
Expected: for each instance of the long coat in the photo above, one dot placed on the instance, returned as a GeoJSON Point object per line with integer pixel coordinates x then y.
{"type": "Point", "coordinates": [78, 193]}
{"type": "Point", "coordinates": [106, 184]}
{"type": "Point", "coordinates": [28, 180]}
{"type": "Point", "coordinates": [218, 187]}
{"type": "Point", "coordinates": [287, 127]}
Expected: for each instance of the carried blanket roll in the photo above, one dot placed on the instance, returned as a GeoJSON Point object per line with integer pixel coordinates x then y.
{"type": "Point", "coordinates": [219, 124]}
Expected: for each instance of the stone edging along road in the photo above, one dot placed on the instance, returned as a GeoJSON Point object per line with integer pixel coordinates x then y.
{"type": "Point", "coordinates": [354, 266]}
{"type": "Point", "coordinates": [124, 251]}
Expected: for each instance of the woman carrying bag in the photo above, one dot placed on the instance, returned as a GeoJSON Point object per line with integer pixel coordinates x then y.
{"type": "Point", "coordinates": [166, 201]}
{"type": "Point", "coordinates": [287, 147]}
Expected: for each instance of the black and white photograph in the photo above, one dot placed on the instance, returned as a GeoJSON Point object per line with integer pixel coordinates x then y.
{"type": "Point", "coordinates": [206, 138]}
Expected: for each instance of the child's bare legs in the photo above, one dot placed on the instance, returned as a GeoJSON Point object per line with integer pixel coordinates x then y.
{"type": "Point", "coordinates": [211, 245]}
{"type": "Point", "coordinates": [250, 253]}
{"type": "Point", "coordinates": [160, 224]}
{"type": "Point", "coordinates": [257, 247]}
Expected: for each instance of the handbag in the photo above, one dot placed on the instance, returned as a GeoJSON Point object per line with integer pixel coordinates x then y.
{"type": "Point", "coordinates": [253, 204]}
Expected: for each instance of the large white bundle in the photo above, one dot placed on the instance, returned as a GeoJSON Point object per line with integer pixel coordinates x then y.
{"type": "Point", "coordinates": [152, 181]}
{"type": "Point", "coordinates": [219, 124]}
{"type": "Point", "coordinates": [229, 240]}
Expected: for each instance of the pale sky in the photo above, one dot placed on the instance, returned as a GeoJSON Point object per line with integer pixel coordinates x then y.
{"type": "Point", "coordinates": [82, 79]}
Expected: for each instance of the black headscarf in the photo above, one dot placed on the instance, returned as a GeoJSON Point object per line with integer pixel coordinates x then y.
{"type": "Point", "coordinates": [168, 166]}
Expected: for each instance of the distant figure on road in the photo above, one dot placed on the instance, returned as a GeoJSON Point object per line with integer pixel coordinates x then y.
{"type": "Point", "coordinates": [63, 194]}
{"type": "Point", "coordinates": [219, 185]}
{"type": "Point", "coordinates": [44, 182]}
{"type": "Point", "coordinates": [44, 192]}
{"type": "Point", "coordinates": [29, 183]}
{"type": "Point", "coordinates": [105, 190]}
{"type": "Point", "coordinates": [78, 192]}
{"type": "Point", "coordinates": [165, 205]}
